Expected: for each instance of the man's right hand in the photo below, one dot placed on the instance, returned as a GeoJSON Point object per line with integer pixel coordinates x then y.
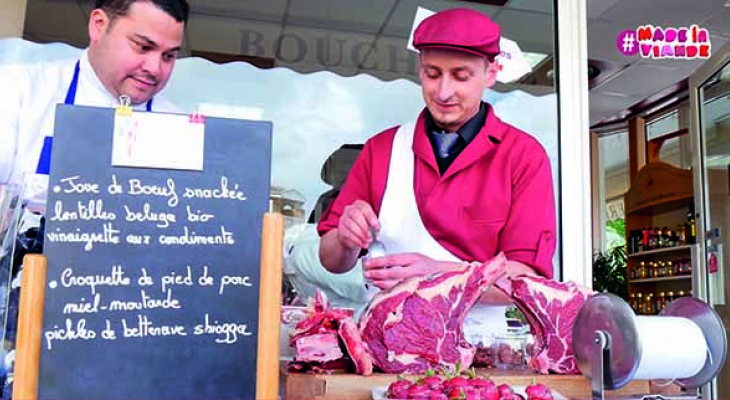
{"type": "Point", "coordinates": [356, 222]}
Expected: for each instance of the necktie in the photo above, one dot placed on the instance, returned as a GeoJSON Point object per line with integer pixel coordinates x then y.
{"type": "Point", "coordinates": [445, 142]}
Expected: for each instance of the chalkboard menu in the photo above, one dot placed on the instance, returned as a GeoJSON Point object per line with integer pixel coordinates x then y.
{"type": "Point", "coordinates": [152, 288]}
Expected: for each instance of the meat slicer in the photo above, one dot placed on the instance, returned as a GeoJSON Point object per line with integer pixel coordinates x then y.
{"type": "Point", "coordinates": [607, 344]}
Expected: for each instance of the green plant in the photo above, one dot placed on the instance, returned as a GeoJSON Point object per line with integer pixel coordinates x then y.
{"type": "Point", "coordinates": [618, 226]}
{"type": "Point", "coordinates": [609, 272]}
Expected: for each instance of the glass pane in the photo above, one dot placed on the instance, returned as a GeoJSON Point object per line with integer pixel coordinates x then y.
{"type": "Point", "coordinates": [663, 125]}
{"type": "Point", "coordinates": [674, 149]}
{"type": "Point", "coordinates": [614, 170]}
{"type": "Point", "coordinates": [328, 73]}
{"type": "Point", "coordinates": [715, 133]}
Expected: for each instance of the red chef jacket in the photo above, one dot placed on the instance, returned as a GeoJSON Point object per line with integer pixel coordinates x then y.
{"type": "Point", "coordinates": [497, 196]}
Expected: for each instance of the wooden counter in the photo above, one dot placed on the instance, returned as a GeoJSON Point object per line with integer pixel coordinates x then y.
{"type": "Point", "coordinates": [340, 386]}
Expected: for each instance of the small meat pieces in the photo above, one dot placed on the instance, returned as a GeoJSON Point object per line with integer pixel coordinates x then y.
{"type": "Point", "coordinates": [350, 335]}
{"type": "Point", "coordinates": [327, 338]}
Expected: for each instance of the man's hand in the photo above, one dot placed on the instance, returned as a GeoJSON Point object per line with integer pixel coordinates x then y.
{"type": "Point", "coordinates": [356, 221]}
{"type": "Point", "coordinates": [385, 272]}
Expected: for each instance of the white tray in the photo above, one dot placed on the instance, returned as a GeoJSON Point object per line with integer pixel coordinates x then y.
{"type": "Point", "coordinates": [381, 392]}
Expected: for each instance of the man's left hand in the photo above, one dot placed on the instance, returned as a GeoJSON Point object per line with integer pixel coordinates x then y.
{"type": "Point", "coordinates": [385, 272]}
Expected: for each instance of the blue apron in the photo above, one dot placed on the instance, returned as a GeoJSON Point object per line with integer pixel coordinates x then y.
{"type": "Point", "coordinates": [44, 162]}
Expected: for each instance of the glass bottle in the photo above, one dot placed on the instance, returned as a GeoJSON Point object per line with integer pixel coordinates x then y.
{"type": "Point", "coordinates": [690, 225]}
{"type": "Point", "coordinates": [681, 236]}
{"type": "Point", "coordinates": [632, 301]}
{"type": "Point", "coordinates": [649, 303]}
{"type": "Point", "coordinates": [670, 269]}
{"type": "Point", "coordinates": [649, 234]}
{"type": "Point", "coordinates": [660, 302]}
{"type": "Point", "coordinates": [639, 303]}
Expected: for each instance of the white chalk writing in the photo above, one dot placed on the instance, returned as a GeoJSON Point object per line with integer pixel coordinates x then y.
{"type": "Point", "coordinates": [115, 278]}
{"type": "Point", "coordinates": [70, 186]}
{"type": "Point", "coordinates": [92, 210]}
{"type": "Point", "coordinates": [71, 331]}
{"type": "Point", "coordinates": [83, 306]}
{"type": "Point", "coordinates": [109, 235]}
{"type": "Point", "coordinates": [233, 281]}
{"type": "Point", "coordinates": [146, 302]}
{"type": "Point", "coordinates": [193, 239]}
{"type": "Point", "coordinates": [223, 192]}
{"type": "Point", "coordinates": [136, 188]}
{"type": "Point", "coordinates": [145, 328]}
{"type": "Point", "coordinates": [227, 332]}
{"type": "Point", "coordinates": [161, 219]}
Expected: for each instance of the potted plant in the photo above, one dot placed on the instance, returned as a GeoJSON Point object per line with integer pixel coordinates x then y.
{"type": "Point", "coordinates": [609, 272]}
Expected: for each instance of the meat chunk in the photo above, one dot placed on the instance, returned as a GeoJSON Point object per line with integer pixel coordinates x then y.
{"type": "Point", "coordinates": [417, 325]}
{"type": "Point", "coordinates": [550, 308]}
{"type": "Point", "coordinates": [327, 338]}
{"type": "Point", "coordinates": [350, 335]}
{"type": "Point", "coordinates": [322, 347]}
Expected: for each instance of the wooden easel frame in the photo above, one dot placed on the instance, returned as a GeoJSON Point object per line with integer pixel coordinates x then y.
{"type": "Point", "coordinates": [30, 318]}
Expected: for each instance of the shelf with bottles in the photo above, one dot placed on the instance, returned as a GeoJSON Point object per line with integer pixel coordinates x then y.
{"type": "Point", "coordinates": [664, 279]}
{"type": "Point", "coordinates": [683, 248]}
{"type": "Point", "coordinates": [677, 268]}
{"type": "Point", "coordinates": [653, 303]}
{"type": "Point", "coordinates": [653, 240]}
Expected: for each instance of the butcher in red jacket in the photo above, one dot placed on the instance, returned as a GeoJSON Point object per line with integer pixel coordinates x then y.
{"type": "Point", "coordinates": [456, 184]}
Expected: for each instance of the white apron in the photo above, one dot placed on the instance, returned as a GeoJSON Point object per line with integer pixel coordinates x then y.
{"type": "Point", "coordinates": [402, 231]}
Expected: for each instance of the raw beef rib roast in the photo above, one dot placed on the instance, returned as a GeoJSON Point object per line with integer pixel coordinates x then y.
{"type": "Point", "coordinates": [417, 324]}
{"type": "Point", "coordinates": [550, 308]}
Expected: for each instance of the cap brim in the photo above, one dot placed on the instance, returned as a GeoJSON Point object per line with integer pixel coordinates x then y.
{"type": "Point", "coordinates": [489, 57]}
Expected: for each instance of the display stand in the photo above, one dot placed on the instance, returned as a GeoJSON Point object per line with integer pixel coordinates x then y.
{"type": "Point", "coordinates": [660, 196]}
{"type": "Point", "coordinates": [272, 259]}
{"type": "Point", "coordinates": [30, 326]}
{"type": "Point", "coordinates": [30, 321]}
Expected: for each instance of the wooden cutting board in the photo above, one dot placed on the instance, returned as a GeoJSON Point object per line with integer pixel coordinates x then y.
{"type": "Point", "coordinates": [339, 386]}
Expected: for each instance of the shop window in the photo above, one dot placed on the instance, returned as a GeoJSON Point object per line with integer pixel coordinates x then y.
{"type": "Point", "coordinates": [662, 125]}
{"type": "Point", "coordinates": [716, 113]}
{"type": "Point", "coordinates": [668, 133]}
{"type": "Point", "coordinates": [328, 73]}
{"type": "Point", "coordinates": [614, 181]}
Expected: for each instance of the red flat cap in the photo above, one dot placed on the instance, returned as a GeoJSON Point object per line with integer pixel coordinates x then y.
{"type": "Point", "coordinates": [461, 29]}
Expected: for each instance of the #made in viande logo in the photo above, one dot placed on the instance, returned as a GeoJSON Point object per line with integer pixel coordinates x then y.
{"type": "Point", "coordinates": [685, 43]}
